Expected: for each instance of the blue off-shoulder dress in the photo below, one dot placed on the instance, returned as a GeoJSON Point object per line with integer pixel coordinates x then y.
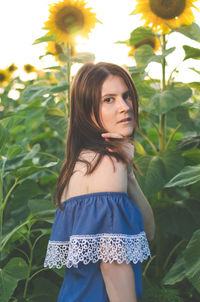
{"type": "Point", "coordinates": [95, 227]}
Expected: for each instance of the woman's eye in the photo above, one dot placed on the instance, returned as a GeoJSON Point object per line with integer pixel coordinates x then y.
{"type": "Point", "coordinates": [126, 95]}
{"type": "Point", "coordinates": [108, 100]}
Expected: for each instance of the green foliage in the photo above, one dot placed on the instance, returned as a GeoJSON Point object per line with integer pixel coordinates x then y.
{"type": "Point", "coordinates": [192, 260]}
{"type": "Point", "coordinates": [32, 134]}
{"type": "Point", "coordinates": [164, 101]}
{"type": "Point", "coordinates": [139, 34]}
{"type": "Point", "coordinates": [15, 270]}
{"type": "Point", "coordinates": [187, 265]}
{"type": "Point", "coordinates": [187, 176]}
{"type": "Point", "coordinates": [191, 31]}
{"type": "Point", "coordinates": [167, 153]}
{"type": "Point", "coordinates": [191, 52]}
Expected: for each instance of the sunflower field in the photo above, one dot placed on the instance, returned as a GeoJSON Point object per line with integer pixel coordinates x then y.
{"type": "Point", "coordinates": [33, 124]}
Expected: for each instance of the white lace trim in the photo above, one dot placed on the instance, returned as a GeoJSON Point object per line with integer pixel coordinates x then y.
{"type": "Point", "coordinates": [106, 247]}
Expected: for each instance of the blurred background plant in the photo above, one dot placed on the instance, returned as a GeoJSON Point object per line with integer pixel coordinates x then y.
{"type": "Point", "coordinates": [33, 123]}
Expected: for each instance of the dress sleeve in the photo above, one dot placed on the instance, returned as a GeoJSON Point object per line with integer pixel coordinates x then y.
{"type": "Point", "coordinates": [104, 226]}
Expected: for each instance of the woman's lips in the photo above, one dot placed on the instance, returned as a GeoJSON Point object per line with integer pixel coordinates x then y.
{"type": "Point", "coordinates": [125, 121]}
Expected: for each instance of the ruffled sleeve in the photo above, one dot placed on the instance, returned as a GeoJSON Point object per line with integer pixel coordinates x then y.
{"type": "Point", "coordinates": [103, 226]}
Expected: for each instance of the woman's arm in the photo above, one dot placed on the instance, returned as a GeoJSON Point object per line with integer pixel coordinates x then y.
{"type": "Point", "coordinates": [134, 191]}
{"type": "Point", "coordinates": [119, 281]}
{"type": "Point", "coordinates": [137, 196]}
{"type": "Point", "coordinates": [118, 278]}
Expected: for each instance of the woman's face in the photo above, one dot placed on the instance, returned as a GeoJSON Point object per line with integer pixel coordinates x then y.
{"type": "Point", "coordinates": [116, 109]}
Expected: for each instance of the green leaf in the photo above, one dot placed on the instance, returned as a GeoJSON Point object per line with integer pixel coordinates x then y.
{"type": "Point", "coordinates": [176, 272]}
{"type": "Point", "coordinates": [192, 260]}
{"type": "Point", "coordinates": [193, 205]}
{"type": "Point", "coordinates": [44, 39]}
{"type": "Point", "coordinates": [159, 58]}
{"type": "Point", "coordinates": [7, 286]}
{"type": "Point", "coordinates": [139, 148]}
{"type": "Point", "coordinates": [135, 71]}
{"type": "Point", "coordinates": [195, 85]}
{"type": "Point", "coordinates": [83, 57]}
{"type": "Point", "coordinates": [57, 120]}
{"type": "Point", "coordinates": [158, 170]}
{"type": "Point", "coordinates": [23, 160]}
{"type": "Point", "coordinates": [191, 52]}
{"type": "Point", "coordinates": [63, 57]}
{"type": "Point", "coordinates": [143, 55]}
{"type": "Point", "coordinates": [32, 92]}
{"type": "Point", "coordinates": [3, 136]}
{"type": "Point", "coordinates": [134, 12]}
{"type": "Point", "coordinates": [55, 112]}
{"type": "Point", "coordinates": [164, 101]}
{"type": "Point", "coordinates": [25, 172]}
{"type": "Point", "coordinates": [172, 161]}
{"type": "Point", "coordinates": [144, 89]}
{"type": "Point", "coordinates": [139, 34]}
{"type": "Point", "coordinates": [44, 290]}
{"type": "Point", "coordinates": [13, 151]}
{"type": "Point", "coordinates": [16, 269]}
{"type": "Point", "coordinates": [191, 31]}
{"type": "Point", "coordinates": [12, 122]}
{"type": "Point", "coordinates": [188, 142]}
{"type": "Point", "coordinates": [157, 293]}
{"type": "Point", "coordinates": [54, 68]}
{"type": "Point", "coordinates": [41, 207]}
{"type": "Point", "coordinates": [192, 156]}
{"type": "Point", "coordinates": [13, 232]}
{"type": "Point", "coordinates": [153, 174]}
{"type": "Point", "coordinates": [60, 272]}
{"type": "Point", "coordinates": [195, 70]}
{"type": "Point", "coordinates": [171, 218]}
{"type": "Point", "coordinates": [189, 175]}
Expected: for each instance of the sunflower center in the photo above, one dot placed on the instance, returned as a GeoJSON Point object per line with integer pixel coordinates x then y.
{"type": "Point", "coordinates": [148, 41]}
{"type": "Point", "coordinates": [69, 19]}
{"type": "Point", "coordinates": [58, 49]}
{"type": "Point", "coordinates": [2, 77]}
{"type": "Point", "coordinates": [28, 68]}
{"type": "Point", "coordinates": [11, 68]}
{"type": "Point", "coordinates": [167, 9]}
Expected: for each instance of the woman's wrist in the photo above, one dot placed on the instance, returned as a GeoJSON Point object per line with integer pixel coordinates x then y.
{"type": "Point", "coordinates": [130, 172]}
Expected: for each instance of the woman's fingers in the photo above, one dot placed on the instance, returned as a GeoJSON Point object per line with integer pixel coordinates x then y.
{"type": "Point", "coordinates": [111, 135]}
{"type": "Point", "coordinates": [128, 147]}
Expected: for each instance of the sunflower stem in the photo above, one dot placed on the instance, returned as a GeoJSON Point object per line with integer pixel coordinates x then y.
{"type": "Point", "coordinates": [159, 237]}
{"type": "Point", "coordinates": [163, 116]}
{"type": "Point", "coordinates": [68, 76]}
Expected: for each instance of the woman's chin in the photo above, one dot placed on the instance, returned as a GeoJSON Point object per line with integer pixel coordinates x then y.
{"type": "Point", "coordinates": [126, 133]}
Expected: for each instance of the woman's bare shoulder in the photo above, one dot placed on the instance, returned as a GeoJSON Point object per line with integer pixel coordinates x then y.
{"type": "Point", "coordinates": [85, 156]}
{"type": "Point", "coordinates": [88, 155]}
{"type": "Point", "coordinates": [110, 163]}
{"type": "Point", "coordinates": [109, 175]}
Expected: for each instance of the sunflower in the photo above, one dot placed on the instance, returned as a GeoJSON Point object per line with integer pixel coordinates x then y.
{"type": "Point", "coordinates": [162, 15]}
{"type": "Point", "coordinates": [152, 41]}
{"type": "Point", "coordinates": [69, 18]}
{"type": "Point", "coordinates": [4, 77]}
{"type": "Point", "coordinates": [28, 68]}
{"type": "Point", "coordinates": [12, 68]}
{"type": "Point", "coordinates": [56, 49]}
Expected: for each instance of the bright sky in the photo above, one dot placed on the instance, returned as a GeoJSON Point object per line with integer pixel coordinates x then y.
{"type": "Point", "coordinates": [21, 22]}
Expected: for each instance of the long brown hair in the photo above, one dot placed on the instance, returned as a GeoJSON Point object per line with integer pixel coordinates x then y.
{"type": "Point", "coordinates": [83, 133]}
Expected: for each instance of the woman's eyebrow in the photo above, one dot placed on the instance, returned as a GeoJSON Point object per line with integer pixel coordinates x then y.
{"type": "Point", "coordinates": [109, 94]}
{"type": "Point", "coordinates": [114, 94]}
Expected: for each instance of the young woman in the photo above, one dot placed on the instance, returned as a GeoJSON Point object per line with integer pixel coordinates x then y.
{"type": "Point", "coordinates": [103, 219]}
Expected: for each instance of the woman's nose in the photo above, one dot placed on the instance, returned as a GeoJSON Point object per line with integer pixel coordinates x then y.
{"type": "Point", "coordinates": [123, 105]}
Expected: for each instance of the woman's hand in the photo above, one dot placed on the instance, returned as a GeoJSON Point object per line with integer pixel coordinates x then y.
{"type": "Point", "coordinates": [128, 147]}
